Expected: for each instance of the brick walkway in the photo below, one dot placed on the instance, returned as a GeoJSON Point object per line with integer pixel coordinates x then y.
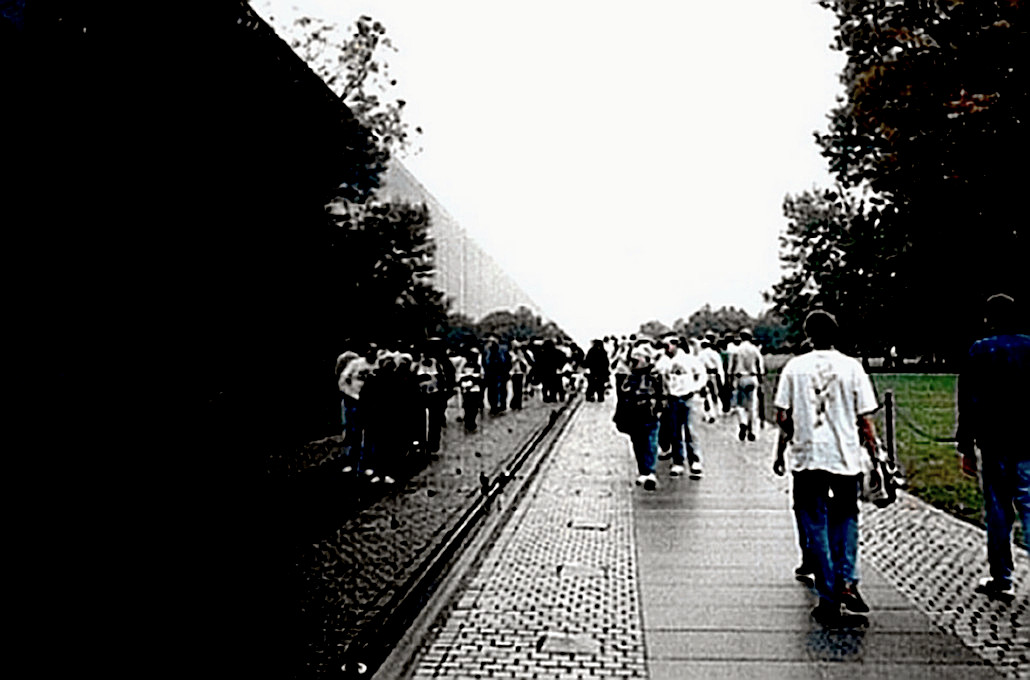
{"type": "Point", "coordinates": [594, 577]}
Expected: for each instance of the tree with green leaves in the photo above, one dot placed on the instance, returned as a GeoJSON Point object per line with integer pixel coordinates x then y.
{"type": "Point", "coordinates": [354, 65]}
{"type": "Point", "coordinates": [930, 134]}
{"type": "Point", "coordinates": [385, 260]}
{"type": "Point", "coordinates": [837, 256]}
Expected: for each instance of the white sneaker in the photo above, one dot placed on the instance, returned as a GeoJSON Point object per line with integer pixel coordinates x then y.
{"type": "Point", "coordinates": [347, 469]}
{"type": "Point", "coordinates": [651, 482]}
{"type": "Point", "coordinates": [375, 479]}
{"type": "Point", "coordinates": [370, 472]}
{"type": "Point", "coordinates": [695, 469]}
{"type": "Point", "coordinates": [387, 479]}
{"type": "Point", "coordinates": [640, 480]}
{"type": "Point", "coordinates": [677, 470]}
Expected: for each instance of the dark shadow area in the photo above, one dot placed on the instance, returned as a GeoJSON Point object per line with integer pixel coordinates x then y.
{"type": "Point", "coordinates": [173, 318]}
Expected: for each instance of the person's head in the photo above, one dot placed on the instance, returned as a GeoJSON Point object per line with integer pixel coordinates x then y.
{"type": "Point", "coordinates": [670, 343]}
{"type": "Point", "coordinates": [821, 328]}
{"type": "Point", "coordinates": [745, 334]}
{"type": "Point", "coordinates": [1000, 314]}
{"type": "Point", "coordinates": [640, 356]}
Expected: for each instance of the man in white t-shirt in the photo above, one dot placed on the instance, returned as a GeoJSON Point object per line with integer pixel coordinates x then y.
{"type": "Point", "coordinates": [823, 400]}
{"type": "Point", "coordinates": [684, 376]}
{"type": "Point", "coordinates": [747, 369]}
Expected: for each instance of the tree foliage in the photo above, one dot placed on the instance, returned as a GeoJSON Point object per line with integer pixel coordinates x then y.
{"type": "Point", "coordinates": [927, 146]}
{"type": "Point", "coordinates": [519, 324]}
{"type": "Point", "coordinates": [355, 67]}
{"type": "Point", "coordinates": [384, 256]}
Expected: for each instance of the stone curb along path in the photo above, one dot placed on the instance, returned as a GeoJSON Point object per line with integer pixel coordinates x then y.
{"type": "Point", "coordinates": [556, 596]}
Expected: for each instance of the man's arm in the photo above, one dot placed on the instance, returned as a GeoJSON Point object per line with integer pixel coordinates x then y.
{"type": "Point", "coordinates": [786, 423]}
{"type": "Point", "coordinates": [867, 433]}
{"type": "Point", "coordinates": [964, 432]}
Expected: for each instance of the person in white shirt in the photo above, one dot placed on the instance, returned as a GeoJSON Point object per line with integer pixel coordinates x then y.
{"type": "Point", "coordinates": [352, 380]}
{"type": "Point", "coordinates": [747, 369]}
{"type": "Point", "coordinates": [713, 370]}
{"type": "Point", "coordinates": [823, 401]}
{"type": "Point", "coordinates": [683, 375]}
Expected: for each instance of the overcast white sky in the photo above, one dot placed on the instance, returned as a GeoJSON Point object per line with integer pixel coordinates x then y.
{"type": "Point", "coordinates": [622, 161]}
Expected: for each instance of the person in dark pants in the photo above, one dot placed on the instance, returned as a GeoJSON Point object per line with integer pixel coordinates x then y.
{"type": "Point", "coordinates": [437, 382]}
{"type": "Point", "coordinates": [823, 401]}
{"type": "Point", "coordinates": [992, 402]}
{"type": "Point", "coordinates": [496, 371]}
{"type": "Point", "coordinates": [598, 371]}
{"type": "Point", "coordinates": [638, 411]}
{"type": "Point", "coordinates": [519, 370]}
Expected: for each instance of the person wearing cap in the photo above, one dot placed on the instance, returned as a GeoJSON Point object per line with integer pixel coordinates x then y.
{"type": "Point", "coordinates": [992, 402]}
{"type": "Point", "coordinates": [684, 377]}
{"type": "Point", "coordinates": [638, 410]}
{"type": "Point", "coordinates": [747, 369]}
{"type": "Point", "coordinates": [824, 400]}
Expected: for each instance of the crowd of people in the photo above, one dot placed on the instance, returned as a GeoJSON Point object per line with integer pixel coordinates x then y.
{"type": "Point", "coordinates": [394, 404]}
{"type": "Point", "coordinates": [664, 385]}
{"type": "Point", "coordinates": [394, 401]}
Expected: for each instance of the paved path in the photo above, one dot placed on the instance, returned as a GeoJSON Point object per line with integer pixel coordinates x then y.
{"type": "Point", "coordinates": [597, 578]}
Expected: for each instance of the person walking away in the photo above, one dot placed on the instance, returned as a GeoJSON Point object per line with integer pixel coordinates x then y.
{"type": "Point", "coordinates": [638, 409]}
{"type": "Point", "coordinates": [352, 380]}
{"type": "Point", "coordinates": [747, 368]}
{"type": "Point", "coordinates": [621, 363]}
{"type": "Point", "coordinates": [683, 375]}
{"type": "Point", "coordinates": [713, 370]}
{"type": "Point", "coordinates": [820, 398]}
{"type": "Point", "coordinates": [496, 370]}
{"type": "Point", "coordinates": [470, 385]}
{"type": "Point", "coordinates": [729, 390]}
{"type": "Point", "coordinates": [434, 390]}
{"type": "Point", "coordinates": [992, 402]}
{"type": "Point", "coordinates": [596, 363]}
{"type": "Point", "coordinates": [519, 370]}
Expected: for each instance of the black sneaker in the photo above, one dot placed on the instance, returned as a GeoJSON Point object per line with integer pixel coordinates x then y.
{"type": "Point", "coordinates": [805, 575]}
{"type": "Point", "coordinates": [831, 617]}
{"type": "Point", "coordinates": [750, 434]}
{"type": "Point", "coordinates": [651, 483]}
{"type": "Point", "coordinates": [852, 599]}
{"type": "Point", "coordinates": [996, 590]}
{"type": "Point", "coordinates": [743, 432]}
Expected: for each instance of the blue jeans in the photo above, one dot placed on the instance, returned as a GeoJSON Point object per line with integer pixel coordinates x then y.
{"type": "Point", "coordinates": [1006, 487]}
{"type": "Point", "coordinates": [830, 526]}
{"type": "Point", "coordinates": [684, 443]}
{"type": "Point", "coordinates": [645, 447]}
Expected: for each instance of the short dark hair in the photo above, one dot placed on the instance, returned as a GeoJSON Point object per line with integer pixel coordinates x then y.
{"type": "Point", "coordinates": [821, 327]}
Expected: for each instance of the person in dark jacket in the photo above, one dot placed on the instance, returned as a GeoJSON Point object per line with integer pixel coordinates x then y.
{"type": "Point", "coordinates": [598, 369]}
{"type": "Point", "coordinates": [992, 402]}
{"type": "Point", "coordinates": [638, 412]}
{"type": "Point", "coordinates": [496, 372]}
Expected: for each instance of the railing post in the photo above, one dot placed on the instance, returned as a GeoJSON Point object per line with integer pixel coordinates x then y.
{"type": "Point", "coordinates": [888, 424]}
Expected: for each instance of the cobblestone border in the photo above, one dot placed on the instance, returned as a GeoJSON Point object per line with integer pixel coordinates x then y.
{"type": "Point", "coordinates": [558, 592]}
{"type": "Point", "coordinates": [936, 560]}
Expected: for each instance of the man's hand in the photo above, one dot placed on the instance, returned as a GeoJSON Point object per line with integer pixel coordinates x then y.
{"type": "Point", "coordinates": [779, 466]}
